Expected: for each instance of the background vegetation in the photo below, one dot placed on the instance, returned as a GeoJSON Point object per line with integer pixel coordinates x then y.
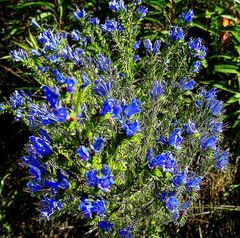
{"type": "Point", "coordinates": [216, 21]}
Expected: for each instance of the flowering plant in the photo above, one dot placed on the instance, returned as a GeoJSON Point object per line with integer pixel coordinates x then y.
{"type": "Point", "coordinates": [122, 134]}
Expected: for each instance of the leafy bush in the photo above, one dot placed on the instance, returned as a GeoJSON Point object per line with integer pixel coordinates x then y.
{"type": "Point", "coordinates": [121, 134]}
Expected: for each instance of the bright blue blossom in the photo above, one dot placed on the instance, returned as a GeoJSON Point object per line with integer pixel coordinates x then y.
{"type": "Point", "coordinates": [102, 88]}
{"type": "Point", "coordinates": [187, 85]}
{"type": "Point", "coordinates": [40, 146]}
{"type": "Point", "coordinates": [131, 128]}
{"type": "Point", "coordinates": [98, 144]}
{"type": "Point", "coordinates": [86, 207]}
{"type": "Point", "coordinates": [176, 33]}
{"type": "Point", "coordinates": [70, 85]}
{"type": "Point", "coordinates": [214, 126]}
{"type": "Point", "coordinates": [34, 187]}
{"type": "Point", "coordinates": [133, 108]}
{"type": "Point", "coordinates": [111, 106]}
{"type": "Point", "coordinates": [150, 158]}
{"type": "Point", "coordinates": [17, 98]}
{"type": "Point", "coordinates": [59, 76]}
{"type": "Point", "coordinates": [157, 90]}
{"type": "Point", "coordinates": [79, 14]}
{"type": "Point", "coordinates": [51, 97]}
{"type": "Point", "coordinates": [105, 225]}
{"type": "Point", "coordinates": [176, 139]}
{"type": "Point", "coordinates": [190, 127]}
{"type": "Point", "coordinates": [142, 11]}
{"type": "Point", "coordinates": [103, 64]}
{"type": "Point", "coordinates": [83, 153]}
{"type": "Point", "coordinates": [208, 142]}
{"type": "Point", "coordinates": [85, 81]}
{"type": "Point", "coordinates": [165, 161]}
{"type": "Point", "coordinates": [193, 183]}
{"type": "Point", "coordinates": [99, 207]}
{"type": "Point", "coordinates": [156, 46]}
{"type": "Point", "coordinates": [196, 66]}
{"type": "Point", "coordinates": [91, 177]}
{"type": "Point", "coordinates": [117, 6]}
{"type": "Point", "coordinates": [94, 21]}
{"type": "Point", "coordinates": [76, 35]}
{"type": "Point", "coordinates": [148, 45]}
{"type": "Point", "coordinates": [179, 179]}
{"type": "Point", "coordinates": [137, 45]}
{"type": "Point", "coordinates": [215, 106]}
{"type": "Point", "coordinates": [111, 26]}
{"type": "Point", "coordinates": [19, 55]}
{"type": "Point", "coordinates": [198, 48]}
{"type": "Point", "coordinates": [125, 232]}
{"type": "Point", "coordinates": [172, 203]}
{"type": "Point", "coordinates": [187, 16]}
{"type": "Point", "coordinates": [221, 159]}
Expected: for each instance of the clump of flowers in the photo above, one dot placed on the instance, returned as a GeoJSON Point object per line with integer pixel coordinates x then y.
{"type": "Point", "coordinates": [122, 133]}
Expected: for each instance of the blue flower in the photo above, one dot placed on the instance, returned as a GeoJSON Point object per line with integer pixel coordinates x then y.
{"type": "Point", "coordinates": [176, 139]}
{"type": "Point", "coordinates": [103, 64]}
{"type": "Point", "coordinates": [98, 144]}
{"type": "Point", "coordinates": [41, 146]}
{"type": "Point", "coordinates": [162, 140]}
{"type": "Point", "coordinates": [117, 5]}
{"type": "Point", "coordinates": [142, 11]}
{"type": "Point", "coordinates": [49, 206]}
{"type": "Point", "coordinates": [17, 98]}
{"type": "Point", "coordinates": [196, 66]}
{"type": "Point", "coordinates": [70, 85]}
{"type": "Point", "coordinates": [19, 55]}
{"type": "Point", "coordinates": [172, 204]}
{"type": "Point", "coordinates": [60, 114]}
{"type": "Point", "coordinates": [157, 90]}
{"type": "Point", "coordinates": [86, 207]}
{"type": "Point", "coordinates": [51, 97]}
{"type": "Point", "coordinates": [176, 33]}
{"type": "Point", "coordinates": [221, 159]}
{"type": "Point", "coordinates": [58, 76]}
{"type": "Point", "coordinates": [111, 106]}
{"type": "Point", "coordinates": [102, 88]}
{"type": "Point", "coordinates": [62, 183]}
{"type": "Point", "coordinates": [156, 47]}
{"type": "Point", "coordinates": [179, 179]}
{"type": "Point", "coordinates": [99, 207]}
{"type": "Point", "coordinates": [111, 26]}
{"type": "Point", "coordinates": [83, 153]}
{"type": "Point", "coordinates": [133, 108]}
{"type": "Point", "coordinates": [76, 35]}
{"type": "Point", "coordinates": [190, 127]}
{"type": "Point", "coordinates": [196, 45]}
{"type": "Point", "coordinates": [131, 128]}
{"type": "Point", "coordinates": [85, 81]}
{"type": "Point", "coordinates": [150, 158]}
{"type": "Point", "coordinates": [215, 127]}
{"type": "Point", "coordinates": [165, 161]}
{"type": "Point", "coordinates": [105, 182]}
{"type": "Point", "coordinates": [79, 14]}
{"type": "Point", "coordinates": [208, 142]}
{"type": "Point", "coordinates": [137, 45]}
{"type": "Point", "coordinates": [91, 177]}
{"type": "Point", "coordinates": [215, 106]}
{"type": "Point", "coordinates": [105, 225]}
{"type": "Point", "coordinates": [187, 16]}
{"type": "Point", "coordinates": [193, 183]}
{"type": "Point", "coordinates": [125, 232]}
{"type": "Point", "coordinates": [34, 187]}
{"type": "Point", "coordinates": [187, 85]}
{"type": "Point", "coordinates": [148, 45]}
{"type": "Point", "coordinates": [94, 21]}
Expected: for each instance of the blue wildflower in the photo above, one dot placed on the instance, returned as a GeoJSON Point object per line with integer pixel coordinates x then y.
{"type": "Point", "coordinates": [76, 35]}
{"type": "Point", "coordinates": [176, 33]}
{"type": "Point", "coordinates": [157, 90]}
{"type": "Point", "coordinates": [215, 106]}
{"type": "Point", "coordinates": [103, 64]}
{"type": "Point", "coordinates": [117, 5]}
{"type": "Point", "coordinates": [156, 46]}
{"type": "Point", "coordinates": [193, 183]}
{"type": "Point", "coordinates": [111, 26]}
{"type": "Point", "coordinates": [214, 126]}
{"type": "Point", "coordinates": [187, 16]}
{"type": "Point", "coordinates": [105, 225]}
{"type": "Point", "coordinates": [51, 97]}
{"type": "Point", "coordinates": [91, 177]}
{"type": "Point", "coordinates": [85, 81]}
{"type": "Point", "coordinates": [94, 21]}
{"type": "Point", "coordinates": [86, 207]}
{"type": "Point", "coordinates": [179, 178]}
{"type": "Point", "coordinates": [187, 85]}
{"type": "Point", "coordinates": [40, 145]}
{"type": "Point", "coordinates": [176, 139]}
{"type": "Point", "coordinates": [196, 66]}
{"type": "Point", "coordinates": [172, 204]}
{"type": "Point", "coordinates": [221, 159]}
{"type": "Point", "coordinates": [83, 153]}
{"type": "Point", "coordinates": [150, 158]}
{"type": "Point", "coordinates": [70, 85]}
{"type": "Point", "coordinates": [17, 98]}
{"type": "Point", "coordinates": [165, 161]}
{"type": "Point", "coordinates": [137, 45]}
{"type": "Point", "coordinates": [58, 76]}
{"type": "Point", "coordinates": [60, 114]}
{"type": "Point", "coordinates": [98, 144]}
{"type": "Point", "coordinates": [196, 45]}
{"type": "Point", "coordinates": [131, 128]}
{"type": "Point", "coordinates": [35, 52]}
{"type": "Point", "coordinates": [190, 127]}
{"type": "Point", "coordinates": [133, 108]}
{"type": "Point", "coordinates": [62, 182]}
{"type": "Point", "coordinates": [111, 106]}
{"type": "Point", "coordinates": [19, 55]}
{"type": "Point", "coordinates": [79, 14]}
{"type": "Point", "coordinates": [208, 142]}
{"type": "Point", "coordinates": [34, 187]}
{"type": "Point", "coordinates": [102, 88]}
{"type": "Point", "coordinates": [148, 45]}
{"type": "Point", "coordinates": [99, 207]}
{"type": "Point", "coordinates": [125, 232]}
{"type": "Point", "coordinates": [142, 11]}
{"type": "Point", "coordinates": [162, 140]}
